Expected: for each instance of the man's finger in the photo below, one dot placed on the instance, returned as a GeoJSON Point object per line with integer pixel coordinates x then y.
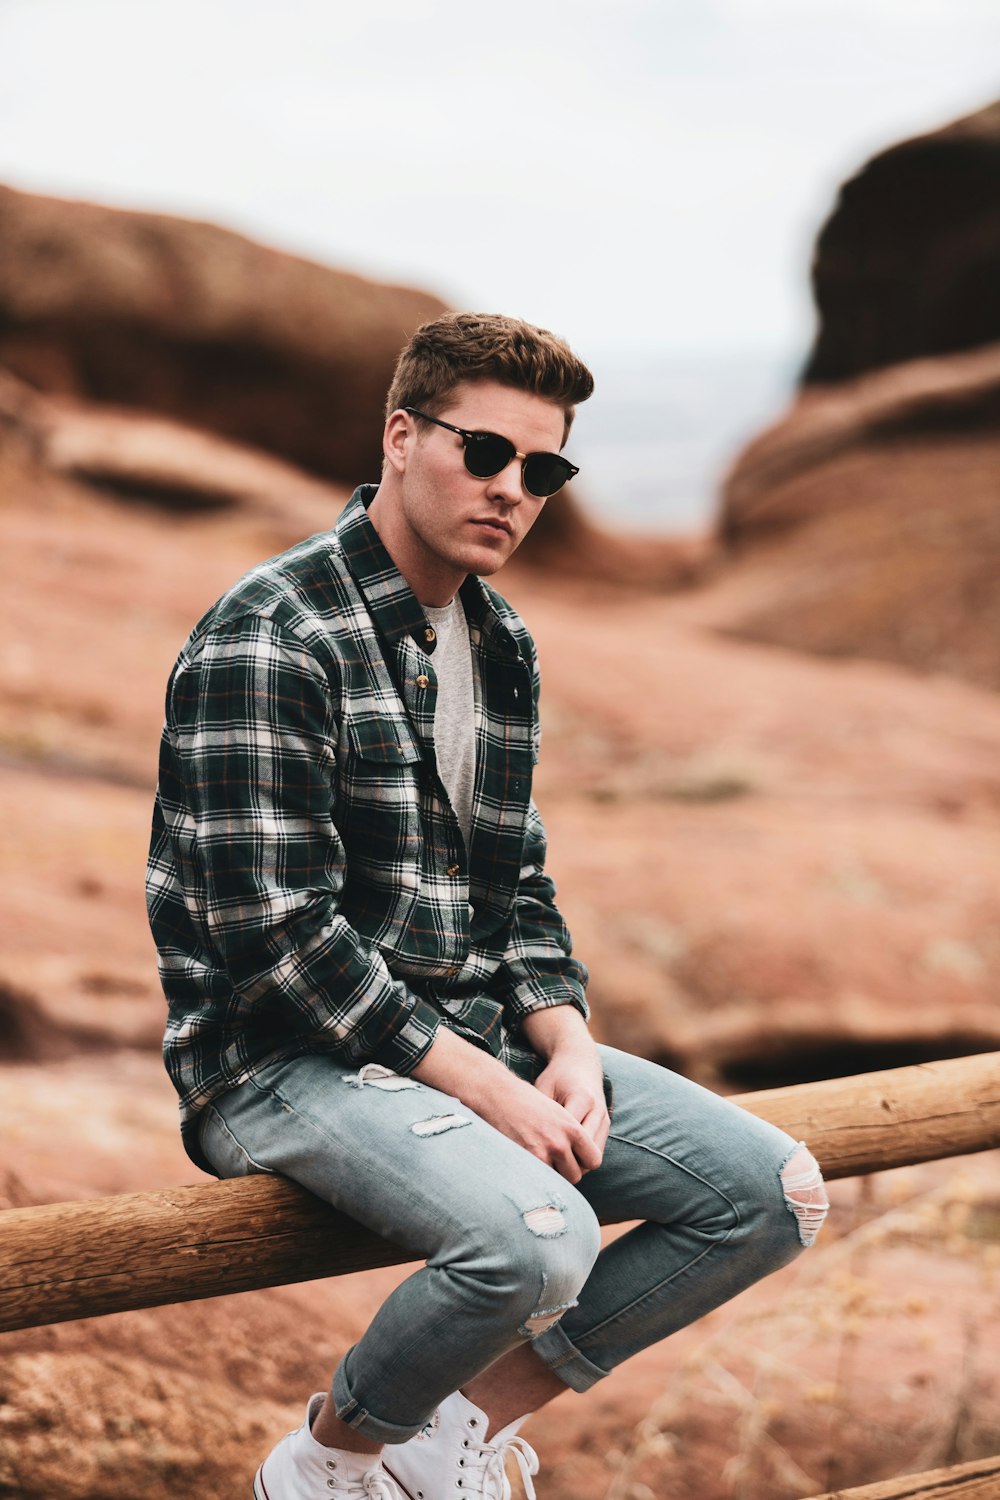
{"type": "Point", "coordinates": [587, 1151]}
{"type": "Point", "coordinates": [567, 1165]}
{"type": "Point", "coordinates": [598, 1126]}
{"type": "Point", "coordinates": [582, 1104]}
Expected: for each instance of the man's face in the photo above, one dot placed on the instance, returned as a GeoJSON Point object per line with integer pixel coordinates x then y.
{"type": "Point", "coordinates": [441, 522]}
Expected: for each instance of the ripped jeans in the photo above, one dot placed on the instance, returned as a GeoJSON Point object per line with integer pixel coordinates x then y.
{"type": "Point", "coordinates": [513, 1249]}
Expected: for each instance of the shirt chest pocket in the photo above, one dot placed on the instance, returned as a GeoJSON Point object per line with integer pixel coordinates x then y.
{"type": "Point", "coordinates": [377, 795]}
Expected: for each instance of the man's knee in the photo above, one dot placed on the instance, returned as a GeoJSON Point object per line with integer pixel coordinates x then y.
{"type": "Point", "coordinates": [565, 1240]}
{"type": "Point", "coordinates": [804, 1193]}
{"type": "Point", "coordinates": [548, 1251]}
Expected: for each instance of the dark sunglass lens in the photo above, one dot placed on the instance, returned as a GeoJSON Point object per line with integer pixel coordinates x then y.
{"type": "Point", "coordinates": [545, 473]}
{"type": "Point", "coordinates": [486, 453]}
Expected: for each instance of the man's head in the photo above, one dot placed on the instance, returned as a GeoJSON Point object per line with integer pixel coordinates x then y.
{"type": "Point", "coordinates": [472, 391]}
{"type": "Point", "coordinates": [468, 347]}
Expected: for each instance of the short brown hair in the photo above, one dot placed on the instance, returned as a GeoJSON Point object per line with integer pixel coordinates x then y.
{"type": "Point", "coordinates": [487, 346]}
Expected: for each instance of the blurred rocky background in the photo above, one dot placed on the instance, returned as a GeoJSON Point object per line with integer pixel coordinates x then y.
{"type": "Point", "coordinates": [771, 777]}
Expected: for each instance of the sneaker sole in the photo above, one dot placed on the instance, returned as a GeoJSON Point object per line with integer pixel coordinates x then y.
{"type": "Point", "coordinates": [259, 1492]}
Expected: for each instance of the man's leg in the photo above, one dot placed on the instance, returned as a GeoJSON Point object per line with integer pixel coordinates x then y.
{"type": "Point", "coordinates": [508, 1242]}
{"type": "Point", "coordinates": [726, 1199]}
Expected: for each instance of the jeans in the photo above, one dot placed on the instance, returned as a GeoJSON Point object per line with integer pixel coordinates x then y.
{"type": "Point", "coordinates": [512, 1249]}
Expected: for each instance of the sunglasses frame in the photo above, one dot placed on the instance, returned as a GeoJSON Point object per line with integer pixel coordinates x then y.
{"type": "Point", "coordinates": [467, 435]}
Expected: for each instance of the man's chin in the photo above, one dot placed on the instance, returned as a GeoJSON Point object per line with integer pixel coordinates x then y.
{"type": "Point", "coordinates": [487, 566]}
{"type": "Point", "coordinates": [488, 558]}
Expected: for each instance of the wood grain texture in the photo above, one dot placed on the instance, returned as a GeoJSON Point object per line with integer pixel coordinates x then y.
{"type": "Point", "coordinates": [75, 1260]}
{"type": "Point", "coordinates": [979, 1480]}
{"type": "Point", "coordinates": [875, 1121]}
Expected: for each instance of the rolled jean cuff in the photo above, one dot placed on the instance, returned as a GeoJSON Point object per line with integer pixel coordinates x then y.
{"type": "Point", "coordinates": [565, 1360]}
{"type": "Point", "coordinates": [354, 1414]}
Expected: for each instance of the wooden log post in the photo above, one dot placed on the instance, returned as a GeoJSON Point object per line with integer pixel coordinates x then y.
{"type": "Point", "coordinates": [76, 1260]}
{"type": "Point", "coordinates": [979, 1480]}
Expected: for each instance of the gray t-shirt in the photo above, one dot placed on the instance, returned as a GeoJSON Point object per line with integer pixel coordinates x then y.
{"type": "Point", "coordinates": [455, 714]}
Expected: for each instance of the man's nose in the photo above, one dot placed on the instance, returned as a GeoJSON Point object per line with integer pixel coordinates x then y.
{"type": "Point", "coordinates": [506, 486]}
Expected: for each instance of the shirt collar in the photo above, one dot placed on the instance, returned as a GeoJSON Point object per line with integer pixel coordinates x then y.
{"type": "Point", "coordinates": [392, 603]}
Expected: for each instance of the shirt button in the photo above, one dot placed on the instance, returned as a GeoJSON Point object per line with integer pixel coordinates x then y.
{"type": "Point", "coordinates": [430, 634]}
{"type": "Point", "coordinates": [455, 969]}
{"type": "Point", "coordinates": [422, 681]}
{"type": "Point", "coordinates": [453, 870]}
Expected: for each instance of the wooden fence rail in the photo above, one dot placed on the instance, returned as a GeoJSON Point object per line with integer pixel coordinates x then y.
{"type": "Point", "coordinates": [979, 1480]}
{"type": "Point", "coordinates": [75, 1260]}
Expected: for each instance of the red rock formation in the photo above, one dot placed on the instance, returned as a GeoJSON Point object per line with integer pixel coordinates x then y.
{"type": "Point", "coordinates": [866, 522]}
{"type": "Point", "coordinates": [203, 325]}
{"type": "Point", "coordinates": [103, 311]}
{"type": "Point", "coordinates": [157, 459]}
{"type": "Point", "coordinates": [907, 264]}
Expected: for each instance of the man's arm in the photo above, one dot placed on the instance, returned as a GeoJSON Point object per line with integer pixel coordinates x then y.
{"type": "Point", "coordinates": [531, 1116]}
{"type": "Point", "coordinates": [542, 986]}
{"type": "Point", "coordinates": [537, 968]}
{"type": "Point", "coordinates": [246, 791]}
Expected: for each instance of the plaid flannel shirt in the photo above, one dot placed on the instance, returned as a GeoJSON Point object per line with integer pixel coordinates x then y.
{"type": "Point", "coordinates": [309, 888]}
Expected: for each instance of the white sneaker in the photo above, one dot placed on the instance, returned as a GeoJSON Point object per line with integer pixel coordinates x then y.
{"type": "Point", "coordinates": [299, 1468]}
{"type": "Point", "coordinates": [451, 1459]}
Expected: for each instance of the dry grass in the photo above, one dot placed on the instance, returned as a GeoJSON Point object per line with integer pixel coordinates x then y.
{"type": "Point", "coordinates": [877, 1358]}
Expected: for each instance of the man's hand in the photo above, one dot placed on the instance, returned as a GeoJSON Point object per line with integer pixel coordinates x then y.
{"type": "Point", "coordinates": [532, 1117]}
{"type": "Point", "coordinates": [572, 1076]}
{"type": "Point", "coordinates": [542, 1125]}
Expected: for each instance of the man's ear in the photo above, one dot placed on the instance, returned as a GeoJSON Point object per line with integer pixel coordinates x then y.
{"type": "Point", "coordinates": [399, 432]}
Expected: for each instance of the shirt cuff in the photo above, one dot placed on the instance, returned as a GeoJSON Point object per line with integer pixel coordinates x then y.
{"type": "Point", "coordinates": [403, 1050]}
{"type": "Point", "coordinates": [535, 995]}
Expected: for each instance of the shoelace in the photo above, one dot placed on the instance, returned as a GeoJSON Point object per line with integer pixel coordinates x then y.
{"type": "Point", "coordinates": [375, 1485]}
{"type": "Point", "coordinates": [486, 1466]}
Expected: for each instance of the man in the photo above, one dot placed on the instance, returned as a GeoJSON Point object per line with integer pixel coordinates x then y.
{"type": "Point", "coordinates": [370, 987]}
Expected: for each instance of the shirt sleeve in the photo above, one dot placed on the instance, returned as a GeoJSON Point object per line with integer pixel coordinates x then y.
{"type": "Point", "coordinates": [537, 968]}
{"type": "Point", "coordinates": [252, 729]}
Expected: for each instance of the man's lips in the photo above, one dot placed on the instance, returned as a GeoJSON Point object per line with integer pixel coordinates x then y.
{"type": "Point", "coordinates": [494, 524]}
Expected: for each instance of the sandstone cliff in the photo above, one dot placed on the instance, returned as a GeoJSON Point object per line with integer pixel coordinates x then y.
{"type": "Point", "coordinates": [194, 322]}
{"type": "Point", "coordinates": [174, 361]}
{"type": "Point", "coordinates": [866, 521]}
{"type": "Point", "coordinates": [906, 265]}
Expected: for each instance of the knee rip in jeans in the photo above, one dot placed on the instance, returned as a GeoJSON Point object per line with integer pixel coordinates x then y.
{"type": "Point", "coordinates": [547, 1221]}
{"type": "Point", "coordinates": [542, 1319]}
{"type": "Point", "coordinates": [805, 1195]}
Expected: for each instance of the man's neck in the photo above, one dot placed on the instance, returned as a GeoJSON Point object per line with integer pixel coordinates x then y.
{"type": "Point", "coordinates": [432, 581]}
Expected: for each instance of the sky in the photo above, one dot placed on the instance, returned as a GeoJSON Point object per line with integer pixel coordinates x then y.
{"type": "Point", "coordinates": [647, 177]}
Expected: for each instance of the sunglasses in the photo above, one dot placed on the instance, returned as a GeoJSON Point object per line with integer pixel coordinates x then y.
{"type": "Point", "coordinates": [487, 453]}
